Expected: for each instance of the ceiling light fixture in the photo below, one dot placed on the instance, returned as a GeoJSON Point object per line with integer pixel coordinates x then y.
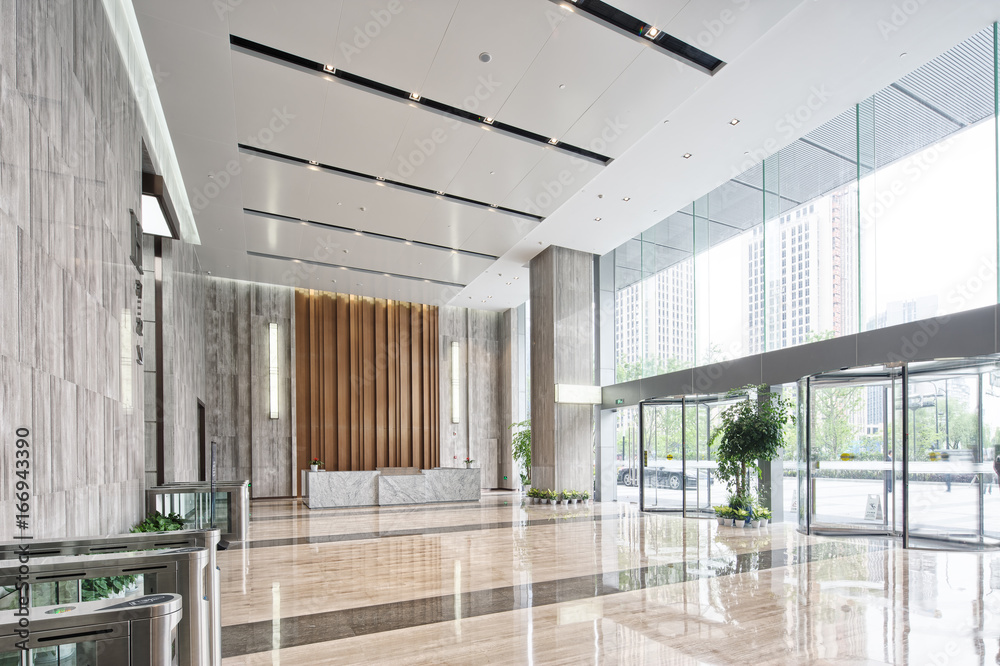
{"type": "Point", "coordinates": [485, 57]}
{"type": "Point", "coordinates": [488, 120]}
{"type": "Point", "coordinates": [553, 141]}
{"type": "Point", "coordinates": [493, 205]}
{"type": "Point", "coordinates": [439, 192]}
{"type": "Point", "coordinates": [597, 219]}
{"type": "Point", "coordinates": [651, 32]}
{"type": "Point", "coordinates": [734, 121]}
{"type": "Point", "coordinates": [626, 198]}
{"type": "Point", "coordinates": [330, 68]}
{"type": "Point", "coordinates": [314, 162]}
{"type": "Point", "coordinates": [415, 96]}
{"type": "Point", "coordinates": [379, 178]}
{"type": "Point", "coordinates": [687, 156]}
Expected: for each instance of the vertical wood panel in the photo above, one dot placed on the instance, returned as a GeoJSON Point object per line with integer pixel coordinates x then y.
{"type": "Point", "coordinates": [367, 380]}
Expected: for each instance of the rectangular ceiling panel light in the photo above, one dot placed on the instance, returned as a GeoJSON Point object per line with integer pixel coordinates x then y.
{"type": "Point", "coordinates": [576, 394]}
{"type": "Point", "coordinates": [272, 370]}
{"type": "Point", "coordinates": [154, 222]}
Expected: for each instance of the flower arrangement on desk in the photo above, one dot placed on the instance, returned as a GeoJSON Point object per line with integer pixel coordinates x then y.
{"type": "Point", "coordinates": [315, 464]}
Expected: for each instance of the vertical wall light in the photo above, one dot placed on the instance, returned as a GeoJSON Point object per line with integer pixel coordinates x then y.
{"type": "Point", "coordinates": [454, 383]}
{"type": "Point", "coordinates": [272, 370]}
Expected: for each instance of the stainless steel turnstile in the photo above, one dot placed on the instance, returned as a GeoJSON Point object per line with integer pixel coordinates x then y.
{"type": "Point", "coordinates": [194, 502]}
{"type": "Point", "coordinates": [113, 632]}
{"type": "Point", "coordinates": [118, 543]}
{"type": "Point", "coordinates": [182, 571]}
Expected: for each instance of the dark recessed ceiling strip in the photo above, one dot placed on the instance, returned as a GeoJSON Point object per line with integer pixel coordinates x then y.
{"type": "Point", "coordinates": [253, 48]}
{"type": "Point", "coordinates": [638, 29]}
{"type": "Point", "coordinates": [313, 262]}
{"type": "Point", "coordinates": [291, 159]}
{"type": "Point", "coordinates": [368, 234]}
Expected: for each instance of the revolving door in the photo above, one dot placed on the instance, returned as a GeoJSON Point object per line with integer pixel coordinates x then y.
{"type": "Point", "coordinates": [903, 450]}
{"type": "Point", "coordinates": [677, 464]}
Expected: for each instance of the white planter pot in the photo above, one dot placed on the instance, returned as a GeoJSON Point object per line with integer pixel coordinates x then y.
{"type": "Point", "coordinates": [313, 468]}
{"type": "Point", "coordinates": [754, 523]}
{"type": "Point", "coordinates": [763, 522]}
{"type": "Point", "coordinates": [722, 521]}
{"type": "Point", "coordinates": [733, 522]}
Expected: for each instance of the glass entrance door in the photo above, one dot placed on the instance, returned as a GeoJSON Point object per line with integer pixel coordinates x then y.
{"type": "Point", "coordinates": [851, 437]}
{"type": "Point", "coordinates": [678, 466]}
{"type": "Point", "coordinates": [907, 450]}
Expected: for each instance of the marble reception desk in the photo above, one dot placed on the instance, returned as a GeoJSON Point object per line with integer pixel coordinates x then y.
{"type": "Point", "coordinates": [327, 490]}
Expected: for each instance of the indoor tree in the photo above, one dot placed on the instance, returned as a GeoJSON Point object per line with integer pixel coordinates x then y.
{"type": "Point", "coordinates": [521, 448]}
{"type": "Point", "coordinates": [751, 430]}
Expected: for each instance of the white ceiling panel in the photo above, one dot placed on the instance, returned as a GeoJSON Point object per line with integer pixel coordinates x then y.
{"type": "Point", "coordinates": [271, 236]}
{"type": "Point", "coordinates": [552, 181]}
{"type": "Point", "coordinates": [360, 129]}
{"type": "Point", "coordinates": [582, 55]}
{"type": "Point", "coordinates": [498, 233]}
{"type": "Point", "coordinates": [643, 96]}
{"type": "Point", "coordinates": [725, 28]}
{"type": "Point", "coordinates": [431, 150]}
{"type": "Point", "coordinates": [211, 18]}
{"type": "Point", "coordinates": [276, 187]}
{"type": "Point", "coordinates": [452, 224]}
{"type": "Point", "coordinates": [512, 32]}
{"type": "Point", "coordinates": [392, 47]}
{"type": "Point", "coordinates": [496, 166]}
{"type": "Point", "coordinates": [277, 107]}
{"type": "Point", "coordinates": [269, 22]}
{"type": "Point", "coordinates": [212, 87]}
{"type": "Point", "coordinates": [338, 200]}
{"type": "Point", "coordinates": [653, 12]}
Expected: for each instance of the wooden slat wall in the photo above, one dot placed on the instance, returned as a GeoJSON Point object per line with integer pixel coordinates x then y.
{"type": "Point", "coordinates": [366, 382]}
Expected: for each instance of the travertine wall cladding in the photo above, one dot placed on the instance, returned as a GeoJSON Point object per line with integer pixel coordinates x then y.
{"type": "Point", "coordinates": [69, 173]}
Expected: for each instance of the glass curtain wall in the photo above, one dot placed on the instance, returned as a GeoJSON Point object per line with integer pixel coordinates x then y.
{"type": "Point", "coordinates": [883, 215]}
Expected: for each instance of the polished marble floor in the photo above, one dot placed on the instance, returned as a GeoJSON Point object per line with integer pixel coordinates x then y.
{"type": "Point", "coordinates": [501, 582]}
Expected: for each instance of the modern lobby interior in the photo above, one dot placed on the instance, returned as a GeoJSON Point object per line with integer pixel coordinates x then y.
{"type": "Point", "coordinates": [381, 236]}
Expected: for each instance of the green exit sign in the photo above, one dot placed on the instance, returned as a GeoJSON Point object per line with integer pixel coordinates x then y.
{"type": "Point", "coordinates": [619, 401]}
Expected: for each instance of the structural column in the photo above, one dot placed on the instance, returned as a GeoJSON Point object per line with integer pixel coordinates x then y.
{"type": "Point", "coordinates": [562, 352]}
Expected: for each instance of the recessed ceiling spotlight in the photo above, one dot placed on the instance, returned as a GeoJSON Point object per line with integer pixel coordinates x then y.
{"type": "Point", "coordinates": [439, 192]}
{"type": "Point", "coordinates": [903, 54]}
{"type": "Point", "coordinates": [626, 198]}
{"type": "Point", "coordinates": [493, 205]}
{"type": "Point", "coordinates": [553, 141]}
{"type": "Point", "coordinates": [379, 178]}
{"type": "Point", "coordinates": [314, 162]}
{"type": "Point", "coordinates": [485, 56]}
{"type": "Point", "coordinates": [652, 32]}
{"type": "Point", "coordinates": [734, 121]}
{"type": "Point", "coordinates": [415, 97]}
{"type": "Point", "coordinates": [687, 156]}
{"type": "Point", "coordinates": [516, 277]}
{"type": "Point", "coordinates": [597, 219]}
{"type": "Point", "coordinates": [488, 120]}
{"type": "Point", "coordinates": [330, 68]}
{"type": "Point", "coordinates": [508, 283]}
{"type": "Point", "coordinates": [562, 86]}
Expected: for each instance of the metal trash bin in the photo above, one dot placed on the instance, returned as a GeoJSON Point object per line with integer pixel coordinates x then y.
{"type": "Point", "coordinates": [182, 571]}
{"type": "Point", "coordinates": [206, 538]}
{"type": "Point", "coordinates": [112, 632]}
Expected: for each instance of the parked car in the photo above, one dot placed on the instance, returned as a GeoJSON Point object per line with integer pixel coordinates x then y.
{"type": "Point", "coordinates": [658, 475]}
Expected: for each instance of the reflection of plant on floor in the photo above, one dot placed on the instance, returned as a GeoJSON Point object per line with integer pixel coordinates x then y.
{"type": "Point", "coordinates": [94, 589]}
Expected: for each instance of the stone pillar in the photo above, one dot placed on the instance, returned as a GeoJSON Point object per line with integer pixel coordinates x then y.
{"type": "Point", "coordinates": [562, 352]}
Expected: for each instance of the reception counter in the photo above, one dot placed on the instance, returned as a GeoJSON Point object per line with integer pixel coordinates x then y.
{"type": "Point", "coordinates": [327, 490]}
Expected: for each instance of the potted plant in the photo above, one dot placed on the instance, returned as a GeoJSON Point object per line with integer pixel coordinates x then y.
{"type": "Point", "coordinates": [315, 464]}
{"type": "Point", "coordinates": [585, 496]}
{"type": "Point", "coordinates": [742, 517]}
{"type": "Point", "coordinates": [722, 513]}
{"type": "Point", "coordinates": [468, 462]}
{"type": "Point", "coordinates": [765, 516]}
{"type": "Point", "coordinates": [552, 496]}
{"type": "Point", "coordinates": [752, 431]}
{"type": "Point", "coordinates": [521, 449]}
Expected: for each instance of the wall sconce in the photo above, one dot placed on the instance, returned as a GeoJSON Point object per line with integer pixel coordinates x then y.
{"type": "Point", "coordinates": [272, 371]}
{"type": "Point", "coordinates": [454, 382]}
